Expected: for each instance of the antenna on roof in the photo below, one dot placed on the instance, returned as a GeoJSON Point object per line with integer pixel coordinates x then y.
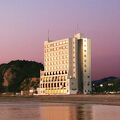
{"type": "Point", "coordinates": [77, 28]}
{"type": "Point", "coordinates": [48, 35]}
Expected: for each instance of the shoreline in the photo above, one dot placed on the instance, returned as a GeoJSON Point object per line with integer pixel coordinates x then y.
{"type": "Point", "coordinates": [73, 99]}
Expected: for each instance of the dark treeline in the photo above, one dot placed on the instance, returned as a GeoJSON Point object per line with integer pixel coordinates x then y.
{"type": "Point", "coordinates": [15, 72]}
{"type": "Point", "coordinates": [106, 85]}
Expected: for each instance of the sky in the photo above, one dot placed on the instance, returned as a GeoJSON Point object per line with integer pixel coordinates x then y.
{"type": "Point", "coordinates": [24, 27]}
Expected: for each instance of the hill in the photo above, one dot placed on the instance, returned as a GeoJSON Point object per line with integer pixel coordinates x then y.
{"type": "Point", "coordinates": [106, 85]}
{"type": "Point", "coordinates": [103, 80]}
{"type": "Point", "coordinates": [15, 72]}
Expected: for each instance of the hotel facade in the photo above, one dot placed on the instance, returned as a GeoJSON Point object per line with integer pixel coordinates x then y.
{"type": "Point", "coordinates": [67, 67]}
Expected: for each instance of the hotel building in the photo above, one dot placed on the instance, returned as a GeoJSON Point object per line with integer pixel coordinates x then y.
{"type": "Point", "coordinates": [67, 66]}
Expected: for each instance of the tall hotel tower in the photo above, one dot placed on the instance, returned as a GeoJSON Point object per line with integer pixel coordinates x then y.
{"type": "Point", "coordinates": [67, 66]}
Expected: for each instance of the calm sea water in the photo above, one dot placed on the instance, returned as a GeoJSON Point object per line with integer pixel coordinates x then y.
{"type": "Point", "coordinates": [55, 111]}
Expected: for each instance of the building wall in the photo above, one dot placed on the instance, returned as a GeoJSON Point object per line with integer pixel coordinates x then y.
{"type": "Point", "coordinates": [86, 65]}
{"type": "Point", "coordinates": [66, 71]}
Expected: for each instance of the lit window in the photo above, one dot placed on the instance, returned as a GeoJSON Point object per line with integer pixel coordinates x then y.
{"type": "Point", "coordinates": [66, 47]}
{"type": "Point", "coordinates": [62, 77]}
{"type": "Point", "coordinates": [59, 77]}
{"type": "Point", "coordinates": [66, 41]}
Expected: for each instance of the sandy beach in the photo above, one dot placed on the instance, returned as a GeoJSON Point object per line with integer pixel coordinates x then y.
{"type": "Point", "coordinates": [75, 99]}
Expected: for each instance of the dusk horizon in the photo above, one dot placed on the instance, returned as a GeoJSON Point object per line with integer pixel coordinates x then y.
{"type": "Point", "coordinates": [25, 25]}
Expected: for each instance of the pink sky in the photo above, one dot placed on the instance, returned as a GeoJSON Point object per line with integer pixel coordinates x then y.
{"type": "Point", "coordinates": [24, 25]}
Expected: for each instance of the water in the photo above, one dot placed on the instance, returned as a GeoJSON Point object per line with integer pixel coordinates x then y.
{"type": "Point", "coordinates": [57, 111]}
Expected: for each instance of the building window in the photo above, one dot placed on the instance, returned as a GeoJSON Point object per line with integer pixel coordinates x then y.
{"type": "Point", "coordinates": [65, 71]}
{"type": "Point", "coordinates": [57, 84]}
{"type": "Point", "coordinates": [62, 77]}
{"type": "Point", "coordinates": [84, 55]}
{"type": "Point", "coordinates": [55, 78]}
{"type": "Point", "coordinates": [64, 84]}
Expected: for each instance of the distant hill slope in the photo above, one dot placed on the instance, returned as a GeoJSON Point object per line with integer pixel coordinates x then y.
{"type": "Point", "coordinates": [15, 72]}
{"type": "Point", "coordinates": [106, 85]}
{"type": "Point", "coordinates": [101, 81]}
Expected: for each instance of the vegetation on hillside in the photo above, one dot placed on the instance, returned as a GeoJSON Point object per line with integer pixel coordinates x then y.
{"type": "Point", "coordinates": [15, 72]}
{"type": "Point", "coordinates": [2, 70]}
{"type": "Point", "coordinates": [107, 85]}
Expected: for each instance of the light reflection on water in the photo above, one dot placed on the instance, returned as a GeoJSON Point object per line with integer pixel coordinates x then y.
{"type": "Point", "coordinates": [57, 111]}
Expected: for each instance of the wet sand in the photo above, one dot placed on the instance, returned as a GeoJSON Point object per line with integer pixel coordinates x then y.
{"type": "Point", "coordinates": [75, 99]}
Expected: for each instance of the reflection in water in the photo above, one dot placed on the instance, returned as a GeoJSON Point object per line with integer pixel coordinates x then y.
{"type": "Point", "coordinates": [84, 112]}
{"type": "Point", "coordinates": [54, 111]}
{"type": "Point", "coordinates": [67, 112]}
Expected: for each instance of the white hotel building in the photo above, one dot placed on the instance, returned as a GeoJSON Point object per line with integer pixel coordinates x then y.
{"type": "Point", "coordinates": [67, 66]}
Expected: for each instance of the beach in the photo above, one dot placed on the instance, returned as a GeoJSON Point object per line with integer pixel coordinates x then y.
{"type": "Point", "coordinates": [75, 99]}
